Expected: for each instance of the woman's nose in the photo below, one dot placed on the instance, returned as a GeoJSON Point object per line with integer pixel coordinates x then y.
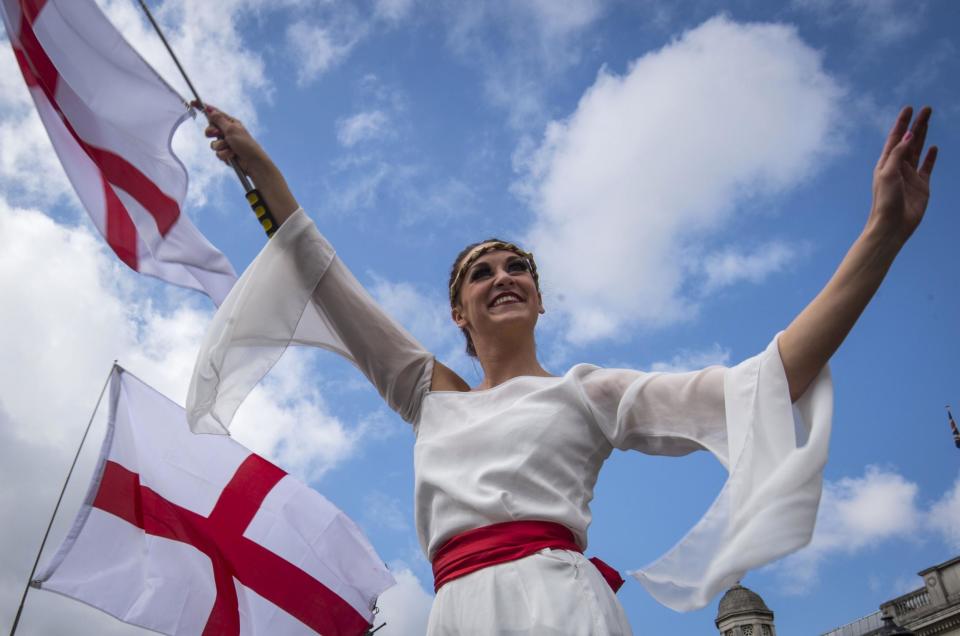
{"type": "Point", "coordinates": [503, 278]}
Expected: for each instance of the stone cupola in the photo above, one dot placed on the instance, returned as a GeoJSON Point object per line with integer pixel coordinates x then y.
{"type": "Point", "coordinates": [743, 613]}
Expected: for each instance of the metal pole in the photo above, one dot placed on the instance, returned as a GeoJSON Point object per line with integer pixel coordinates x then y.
{"type": "Point", "coordinates": [46, 534]}
{"type": "Point", "coordinates": [253, 196]}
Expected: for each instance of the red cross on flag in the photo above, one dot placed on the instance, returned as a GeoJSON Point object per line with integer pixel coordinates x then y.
{"type": "Point", "coordinates": [194, 534]}
{"type": "Point", "coordinates": [111, 118]}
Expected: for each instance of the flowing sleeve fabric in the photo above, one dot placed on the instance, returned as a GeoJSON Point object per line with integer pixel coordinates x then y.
{"type": "Point", "coordinates": [297, 291]}
{"type": "Point", "coordinates": [774, 451]}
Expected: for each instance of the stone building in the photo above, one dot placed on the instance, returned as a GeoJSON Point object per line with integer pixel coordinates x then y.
{"type": "Point", "coordinates": [743, 613]}
{"type": "Point", "coordinates": [934, 609]}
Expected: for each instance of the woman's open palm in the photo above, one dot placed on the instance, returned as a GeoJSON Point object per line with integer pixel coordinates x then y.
{"type": "Point", "coordinates": [901, 185]}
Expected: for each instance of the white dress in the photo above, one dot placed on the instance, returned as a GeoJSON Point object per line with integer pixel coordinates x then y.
{"type": "Point", "coordinates": [531, 448]}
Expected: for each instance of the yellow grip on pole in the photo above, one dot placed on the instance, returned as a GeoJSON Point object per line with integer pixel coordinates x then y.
{"type": "Point", "coordinates": [263, 213]}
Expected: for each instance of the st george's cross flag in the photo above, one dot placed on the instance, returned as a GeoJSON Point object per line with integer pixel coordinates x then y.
{"type": "Point", "coordinates": [194, 534]}
{"type": "Point", "coordinates": [953, 428]}
{"type": "Point", "coordinates": [111, 119]}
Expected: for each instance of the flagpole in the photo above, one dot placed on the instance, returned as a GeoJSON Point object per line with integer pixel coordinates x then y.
{"type": "Point", "coordinates": [259, 206]}
{"type": "Point", "coordinates": [46, 534]}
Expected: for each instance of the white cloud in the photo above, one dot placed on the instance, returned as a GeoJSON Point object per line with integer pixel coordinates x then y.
{"type": "Point", "coordinates": [392, 10]}
{"type": "Point", "coordinates": [405, 607]}
{"type": "Point", "coordinates": [361, 182]}
{"type": "Point", "coordinates": [627, 189]}
{"type": "Point", "coordinates": [364, 126]}
{"type": "Point", "coordinates": [730, 266]}
{"type": "Point", "coordinates": [690, 360]}
{"type": "Point", "coordinates": [559, 18]}
{"type": "Point", "coordinates": [386, 511]}
{"type": "Point", "coordinates": [881, 21]}
{"type": "Point", "coordinates": [317, 49]}
{"type": "Point", "coordinates": [855, 513]}
{"type": "Point", "coordinates": [944, 516]}
{"type": "Point", "coordinates": [520, 48]}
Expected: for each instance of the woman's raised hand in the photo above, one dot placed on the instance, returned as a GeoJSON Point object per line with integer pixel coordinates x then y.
{"type": "Point", "coordinates": [901, 184]}
{"type": "Point", "coordinates": [231, 141]}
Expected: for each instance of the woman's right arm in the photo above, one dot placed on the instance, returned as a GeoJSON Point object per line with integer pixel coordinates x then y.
{"type": "Point", "coordinates": [297, 291]}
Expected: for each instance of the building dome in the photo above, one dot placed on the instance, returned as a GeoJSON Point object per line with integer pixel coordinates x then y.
{"type": "Point", "coordinates": [740, 600]}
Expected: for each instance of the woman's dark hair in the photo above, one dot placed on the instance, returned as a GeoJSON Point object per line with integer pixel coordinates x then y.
{"type": "Point", "coordinates": [454, 280]}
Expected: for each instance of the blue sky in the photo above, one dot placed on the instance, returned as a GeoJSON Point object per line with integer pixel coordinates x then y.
{"type": "Point", "coordinates": [689, 175]}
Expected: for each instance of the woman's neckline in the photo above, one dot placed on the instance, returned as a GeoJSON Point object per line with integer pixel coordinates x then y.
{"type": "Point", "coordinates": [512, 380]}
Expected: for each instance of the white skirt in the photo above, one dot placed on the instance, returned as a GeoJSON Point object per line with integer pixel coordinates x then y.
{"type": "Point", "coordinates": [552, 592]}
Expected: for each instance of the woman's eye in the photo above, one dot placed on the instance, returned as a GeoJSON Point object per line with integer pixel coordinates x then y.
{"type": "Point", "coordinates": [479, 272]}
{"type": "Point", "coordinates": [518, 266]}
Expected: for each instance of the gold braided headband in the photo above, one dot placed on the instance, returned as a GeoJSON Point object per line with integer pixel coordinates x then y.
{"type": "Point", "coordinates": [482, 249]}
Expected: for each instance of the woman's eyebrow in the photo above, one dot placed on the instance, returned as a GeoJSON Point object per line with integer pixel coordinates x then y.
{"type": "Point", "coordinates": [510, 260]}
{"type": "Point", "coordinates": [477, 266]}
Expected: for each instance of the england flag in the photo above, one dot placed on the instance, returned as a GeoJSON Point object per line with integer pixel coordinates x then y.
{"type": "Point", "coordinates": [194, 534]}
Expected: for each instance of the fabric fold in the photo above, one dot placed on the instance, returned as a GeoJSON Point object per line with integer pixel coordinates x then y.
{"type": "Point", "coordinates": [297, 291]}
{"type": "Point", "coordinates": [768, 506]}
{"type": "Point", "coordinates": [253, 326]}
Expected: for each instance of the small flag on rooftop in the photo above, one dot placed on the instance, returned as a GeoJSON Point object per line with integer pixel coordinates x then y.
{"type": "Point", "coordinates": [953, 427]}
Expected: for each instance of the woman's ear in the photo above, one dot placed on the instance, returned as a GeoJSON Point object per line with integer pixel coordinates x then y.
{"type": "Point", "coordinates": [540, 303]}
{"type": "Point", "coordinates": [457, 317]}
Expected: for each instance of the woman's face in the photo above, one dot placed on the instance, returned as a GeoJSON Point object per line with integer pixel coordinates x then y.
{"type": "Point", "coordinates": [498, 290]}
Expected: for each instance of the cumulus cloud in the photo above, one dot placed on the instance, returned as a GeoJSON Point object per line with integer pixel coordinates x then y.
{"type": "Point", "coordinates": [316, 49]}
{"type": "Point", "coordinates": [692, 360]}
{"type": "Point", "coordinates": [881, 21]}
{"type": "Point", "coordinates": [537, 41]}
{"type": "Point", "coordinates": [654, 161]}
{"type": "Point", "coordinates": [944, 516]}
{"type": "Point", "coordinates": [325, 33]}
{"type": "Point", "coordinates": [364, 126]}
{"type": "Point", "coordinates": [82, 308]}
{"type": "Point", "coordinates": [392, 10]}
{"type": "Point", "coordinates": [730, 266]}
{"type": "Point", "coordinates": [385, 511]}
{"type": "Point", "coordinates": [405, 607]}
{"type": "Point", "coordinates": [855, 513]}
{"type": "Point", "coordinates": [362, 182]}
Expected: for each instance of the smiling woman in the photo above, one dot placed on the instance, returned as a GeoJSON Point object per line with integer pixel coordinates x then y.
{"type": "Point", "coordinates": [505, 471]}
{"type": "Point", "coordinates": [483, 261]}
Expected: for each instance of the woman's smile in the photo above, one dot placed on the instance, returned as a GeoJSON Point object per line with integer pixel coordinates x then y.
{"type": "Point", "coordinates": [505, 298]}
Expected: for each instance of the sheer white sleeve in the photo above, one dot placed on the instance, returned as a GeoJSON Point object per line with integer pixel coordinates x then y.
{"type": "Point", "coordinates": [297, 291]}
{"type": "Point", "coordinates": [775, 452]}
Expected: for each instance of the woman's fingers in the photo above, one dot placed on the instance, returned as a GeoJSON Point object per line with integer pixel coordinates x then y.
{"type": "Point", "coordinates": [927, 168]}
{"type": "Point", "coordinates": [896, 134]}
{"type": "Point", "coordinates": [223, 150]}
{"type": "Point", "coordinates": [218, 119]}
{"type": "Point", "coordinates": [919, 130]}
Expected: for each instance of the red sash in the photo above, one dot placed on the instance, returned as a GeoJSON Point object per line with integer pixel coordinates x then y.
{"type": "Point", "coordinates": [502, 542]}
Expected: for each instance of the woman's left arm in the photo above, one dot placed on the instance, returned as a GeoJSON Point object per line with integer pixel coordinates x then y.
{"type": "Point", "coordinates": [901, 189]}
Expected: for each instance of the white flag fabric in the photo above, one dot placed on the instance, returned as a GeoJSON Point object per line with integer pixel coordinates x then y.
{"type": "Point", "coordinates": [111, 119]}
{"type": "Point", "coordinates": [194, 534]}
